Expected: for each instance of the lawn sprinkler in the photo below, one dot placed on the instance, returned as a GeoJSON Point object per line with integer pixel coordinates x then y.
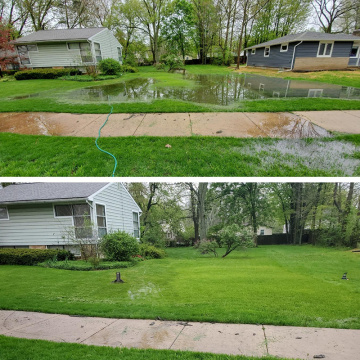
{"type": "Point", "coordinates": [344, 277]}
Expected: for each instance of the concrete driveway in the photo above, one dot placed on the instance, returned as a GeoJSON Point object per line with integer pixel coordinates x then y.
{"type": "Point", "coordinates": [235, 339]}
{"type": "Point", "coordinates": [279, 125]}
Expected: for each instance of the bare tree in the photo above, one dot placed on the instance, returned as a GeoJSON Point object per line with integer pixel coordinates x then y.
{"type": "Point", "coordinates": [328, 11]}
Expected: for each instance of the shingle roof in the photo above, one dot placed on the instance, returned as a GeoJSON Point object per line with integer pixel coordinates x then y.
{"type": "Point", "coordinates": [307, 36]}
{"type": "Point", "coordinates": [34, 192]}
{"type": "Point", "coordinates": [59, 35]}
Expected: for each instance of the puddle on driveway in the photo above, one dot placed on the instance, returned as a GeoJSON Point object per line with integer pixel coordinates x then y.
{"type": "Point", "coordinates": [27, 123]}
{"type": "Point", "coordinates": [221, 90]}
{"type": "Point", "coordinates": [286, 126]}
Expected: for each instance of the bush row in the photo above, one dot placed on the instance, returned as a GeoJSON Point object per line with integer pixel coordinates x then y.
{"type": "Point", "coordinates": [31, 256]}
{"type": "Point", "coordinates": [45, 73]}
{"type": "Point", "coordinates": [86, 266]}
{"type": "Point", "coordinates": [151, 252]}
{"type": "Point", "coordinates": [9, 72]}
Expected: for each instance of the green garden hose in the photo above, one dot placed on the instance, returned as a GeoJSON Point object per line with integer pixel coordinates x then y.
{"type": "Point", "coordinates": [104, 151]}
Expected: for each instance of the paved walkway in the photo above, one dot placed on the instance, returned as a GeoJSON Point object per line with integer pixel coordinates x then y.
{"type": "Point", "coordinates": [281, 125]}
{"type": "Point", "coordinates": [249, 340]}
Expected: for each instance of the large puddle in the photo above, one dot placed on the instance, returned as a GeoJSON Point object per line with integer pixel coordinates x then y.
{"type": "Point", "coordinates": [227, 90]}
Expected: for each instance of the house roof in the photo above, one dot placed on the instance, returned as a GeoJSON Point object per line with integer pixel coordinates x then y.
{"type": "Point", "coordinates": [59, 35]}
{"type": "Point", "coordinates": [307, 36]}
{"type": "Point", "coordinates": [42, 192]}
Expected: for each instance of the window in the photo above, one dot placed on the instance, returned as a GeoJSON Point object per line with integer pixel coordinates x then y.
{"type": "Point", "coordinates": [354, 51]}
{"type": "Point", "coordinates": [81, 217]}
{"type": "Point", "coordinates": [325, 49]}
{"type": "Point", "coordinates": [262, 232]}
{"type": "Point", "coordinates": [267, 51]}
{"type": "Point", "coordinates": [85, 53]}
{"type": "Point", "coordinates": [97, 52]}
{"type": "Point", "coordinates": [119, 54]}
{"type": "Point", "coordinates": [63, 210]}
{"type": "Point", "coordinates": [73, 46]}
{"type": "Point", "coordinates": [253, 51]}
{"type": "Point", "coordinates": [23, 54]}
{"type": "Point", "coordinates": [4, 215]}
{"type": "Point", "coordinates": [315, 93]}
{"type": "Point", "coordinates": [32, 47]}
{"type": "Point", "coordinates": [284, 47]}
{"type": "Point", "coordinates": [101, 220]}
{"type": "Point", "coordinates": [136, 225]}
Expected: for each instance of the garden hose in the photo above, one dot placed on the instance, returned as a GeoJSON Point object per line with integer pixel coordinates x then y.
{"type": "Point", "coordinates": [104, 151]}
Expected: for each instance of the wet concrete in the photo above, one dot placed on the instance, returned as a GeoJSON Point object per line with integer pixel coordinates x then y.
{"type": "Point", "coordinates": [237, 339]}
{"type": "Point", "coordinates": [275, 125]}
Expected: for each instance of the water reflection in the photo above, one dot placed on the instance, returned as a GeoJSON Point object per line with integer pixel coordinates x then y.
{"type": "Point", "coordinates": [224, 90]}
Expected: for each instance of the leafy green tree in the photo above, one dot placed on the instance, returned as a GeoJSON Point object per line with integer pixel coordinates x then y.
{"type": "Point", "coordinates": [234, 236]}
{"type": "Point", "coordinates": [178, 27]}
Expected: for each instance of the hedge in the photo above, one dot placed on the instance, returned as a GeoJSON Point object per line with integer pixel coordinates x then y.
{"type": "Point", "coordinates": [45, 73]}
{"type": "Point", "coordinates": [9, 72]}
{"type": "Point", "coordinates": [31, 256]}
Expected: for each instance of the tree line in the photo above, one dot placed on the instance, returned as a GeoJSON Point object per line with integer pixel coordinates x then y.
{"type": "Point", "coordinates": [191, 212]}
{"type": "Point", "coordinates": [151, 29]}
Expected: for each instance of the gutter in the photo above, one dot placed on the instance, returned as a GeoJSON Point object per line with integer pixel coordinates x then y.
{"type": "Point", "coordinates": [293, 58]}
{"type": "Point", "coordinates": [24, 202]}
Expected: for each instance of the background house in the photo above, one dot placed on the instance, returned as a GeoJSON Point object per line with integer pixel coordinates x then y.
{"type": "Point", "coordinates": [307, 51]}
{"type": "Point", "coordinates": [38, 215]}
{"type": "Point", "coordinates": [67, 48]}
{"type": "Point", "coordinates": [264, 230]}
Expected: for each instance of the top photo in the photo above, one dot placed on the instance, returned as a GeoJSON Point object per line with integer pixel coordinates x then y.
{"type": "Point", "coordinates": [182, 88]}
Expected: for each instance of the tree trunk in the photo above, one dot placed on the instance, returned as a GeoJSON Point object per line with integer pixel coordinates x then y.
{"type": "Point", "coordinates": [201, 206]}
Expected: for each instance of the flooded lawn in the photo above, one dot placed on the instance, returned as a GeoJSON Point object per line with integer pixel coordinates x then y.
{"type": "Point", "coordinates": [222, 90]}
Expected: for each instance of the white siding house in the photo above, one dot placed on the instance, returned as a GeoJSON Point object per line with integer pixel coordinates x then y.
{"type": "Point", "coordinates": [264, 230]}
{"type": "Point", "coordinates": [67, 48]}
{"type": "Point", "coordinates": [39, 215]}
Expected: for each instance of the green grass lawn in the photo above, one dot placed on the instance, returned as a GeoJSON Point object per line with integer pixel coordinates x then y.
{"type": "Point", "coordinates": [29, 155]}
{"type": "Point", "coordinates": [24, 349]}
{"type": "Point", "coordinates": [51, 93]}
{"type": "Point", "coordinates": [278, 285]}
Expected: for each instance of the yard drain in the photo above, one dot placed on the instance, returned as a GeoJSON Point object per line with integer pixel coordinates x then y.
{"type": "Point", "coordinates": [104, 151]}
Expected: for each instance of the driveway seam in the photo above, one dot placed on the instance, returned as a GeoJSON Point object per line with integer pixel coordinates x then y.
{"type": "Point", "coordinates": [85, 126]}
{"type": "Point", "coordinates": [347, 112]}
{"type": "Point", "coordinates": [262, 130]}
{"type": "Point", "coordinates": [139, 124]}
{"type": "Point", "coordinates": [98, 331]}
{"type": "Point", "coordinates": [191, 130]}
{"type": "Point", "coordinates": [177, 337]}
{"type": "Point", "coordinates": [266, 342]}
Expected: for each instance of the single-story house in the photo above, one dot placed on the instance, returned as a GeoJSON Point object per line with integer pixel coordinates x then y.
{"type": "Point", "coordinates": [61, 48]}
{"type": "Point", "coordinates": [307, 51]}
{"type": "Point", "coordinates": [264, 230]}
{"type": "Point", "coordinates": [39, 215]}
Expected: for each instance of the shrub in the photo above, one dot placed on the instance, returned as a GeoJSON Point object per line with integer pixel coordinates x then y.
{"type": "Point", "coordinates": [119, 246]}
{"type": "Point", "coordinates": [9, 72]}
{"type": "Point", "coordinates": [160, 66]}
{"type": "Point", "coordinates": [109, 66]}
{"type": "Point", "coordinates": [45, 73]}
{"type": "Point", "coordinates": [207, 247]}
{"type": "Point", "coordinates": [31, 256]}
{"type": "Point", "coordinates": [129, 69]}
{"type": "Point", "coordinates": [151, 252]}
{"type": "Point", "coordinates": [173, 62]}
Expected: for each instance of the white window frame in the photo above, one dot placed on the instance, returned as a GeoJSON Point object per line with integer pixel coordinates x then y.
{"type": "Point", "coordinates": [96, 216]}
{"type": "Point", "coordinates": [287, 47]}
{"type": "Point", "coordinates": [357, 52]}
{"type": "Point", "coordinates": [27, 54]}
{"type": "Point", "coordinates": [138, 222]}
{"type": "Point", "coordinates": [315, 92]}
{"type": "Point", "coordinates": [266, 47]}
{"type": "Point", "coordinates": [96, 56]}
{"type": "Point", "coordinates": [7, 213]}
{"type": "Point", "coordinates": [37, 49]}
{"type": "Point", "coordinates": [68, 43]}
{"type": "Point", "coordinates": [253, 51]}
{"type": "Point", "coordinates": [119, 56]}
{"type": "Point", "coordinates": [326, 44]}
{"type": "Point", "coordinates": [61, 217]}
{"type": "Point", "coordinates": [262, 232]}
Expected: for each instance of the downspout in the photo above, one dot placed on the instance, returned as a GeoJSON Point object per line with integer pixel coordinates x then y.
{"type": "Point", "coordinates": [293, 58]}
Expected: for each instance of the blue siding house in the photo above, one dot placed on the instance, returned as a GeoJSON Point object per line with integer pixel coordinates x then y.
{"type": "Point", "coordinates": [307, 51]}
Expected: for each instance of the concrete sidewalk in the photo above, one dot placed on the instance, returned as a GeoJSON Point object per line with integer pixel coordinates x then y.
{"type": "Point", "coordinates": [280, 125]}
{"type": "Point", "coordinates": [236, 339]}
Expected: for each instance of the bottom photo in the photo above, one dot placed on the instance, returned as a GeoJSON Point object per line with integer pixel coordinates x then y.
{"type": "Point", "coordinates": [179, 270]}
